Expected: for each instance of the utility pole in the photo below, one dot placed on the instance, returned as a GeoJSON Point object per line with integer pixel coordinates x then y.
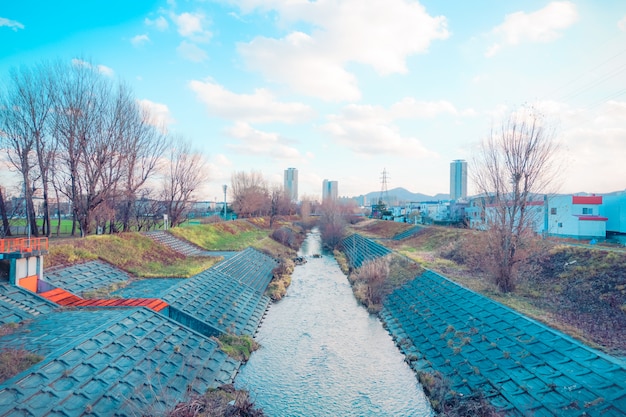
{"type": "Point", "coordinates": [225, 187]}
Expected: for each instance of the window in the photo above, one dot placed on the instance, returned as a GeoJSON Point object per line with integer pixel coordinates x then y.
{"type": "Point", "coordinates": [587, 210]}
{"type": "Point", "coordinates": [553, 210]}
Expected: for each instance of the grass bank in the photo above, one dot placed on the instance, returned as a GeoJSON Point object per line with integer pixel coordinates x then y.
{"type": "Point", "coordinates": [578, 290]}
{"type": "Point", "coordinates": [131, 252]}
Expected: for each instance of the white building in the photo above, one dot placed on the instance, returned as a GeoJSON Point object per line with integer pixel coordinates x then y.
{"type": "Point", "coordinates": [573, 216]}
{"type": "Point", "coordinates": [576, 216]}
{"type": "Point", "coordinates": [614, 208]}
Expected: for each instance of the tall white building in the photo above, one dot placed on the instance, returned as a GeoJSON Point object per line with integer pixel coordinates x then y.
{"type": "Point", "coordinates": [330, 190]}
{"type": "Point", "coordinates": [291, 184]}
{"type": "Point", "coordinates": [458, 179]}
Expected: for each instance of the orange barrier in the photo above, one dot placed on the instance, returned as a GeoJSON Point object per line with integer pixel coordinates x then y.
{"type": "Point", "coordinates": [64, 298]}
{"type": "Point", "coordinates": [23, 244]}
{"type": "Point", "coordinates": [30, 283]}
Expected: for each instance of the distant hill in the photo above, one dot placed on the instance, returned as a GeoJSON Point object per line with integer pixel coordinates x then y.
{"type": "Point", "coordinates": [402, 194]}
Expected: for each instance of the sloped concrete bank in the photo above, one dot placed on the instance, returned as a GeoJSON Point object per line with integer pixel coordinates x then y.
{"type": "Point", "coordinates": [522, 367]}
{"type": "Point", "coordinates": [113, 361]}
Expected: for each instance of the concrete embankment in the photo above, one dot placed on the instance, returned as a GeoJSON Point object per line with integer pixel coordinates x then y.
{"type": "Point", "coordinates": [123, 361]}
{"type": "Point", "coordinates": [521, 366]}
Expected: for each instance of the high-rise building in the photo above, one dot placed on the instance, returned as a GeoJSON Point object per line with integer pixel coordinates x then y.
{"type": "Point", "coordinates": [458, 179]}
{"type": "Point", "coordinates": [291, 184]}
{"type": "Point", "coordinates": [330, 190]}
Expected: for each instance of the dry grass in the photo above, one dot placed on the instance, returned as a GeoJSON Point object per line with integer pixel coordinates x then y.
{"type": "Point", "coordinates": [379, 229]}
{"type": "Point", "coordinates": [131, 252]}
{"type": "Point", "coordinates": [580, 290]}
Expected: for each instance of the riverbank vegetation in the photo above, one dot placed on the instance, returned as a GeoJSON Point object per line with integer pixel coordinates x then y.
{"type": "Point", "coordinates": [446, 402]}
{"type": "Point", "coordinates": [224, 401]}
{"type": "Point", "coordinates": [132, 252]}
{"type": "Point", "coordinates": [13, 361]}
{"type": "Point", "coordinates": [376, 279]}
{"type": "Point", "coordinates": [578, 289]}
{"type": "Point", "coordinates": [238, 347]}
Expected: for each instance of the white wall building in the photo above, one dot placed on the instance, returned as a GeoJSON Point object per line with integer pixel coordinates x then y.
{"type": "Point", "coordinates": [576, 216]}
{"type": "Point", "coordinates": [614, 209]}
{"type": "Point", "coordinates": [573, 216]}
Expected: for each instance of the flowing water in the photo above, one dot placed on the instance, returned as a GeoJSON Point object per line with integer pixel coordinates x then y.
{"type": "Point", "coordinates": [322, 354]}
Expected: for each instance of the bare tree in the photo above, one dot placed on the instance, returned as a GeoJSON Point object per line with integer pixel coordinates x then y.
{"type": "Point", "coordinates": [90, 114]}
{"type": "Point", "coordinates": [514, 165]}
{"type": "Point", "coordinates": [144, 143]}
{"type": "Point", "coordinates": [24, 111]}
{"type": "Point", "coordinates": [6, 226]}
{"type": "Point", "coordinates": [332, 223]}
{"type": "Point", "coordinates": [184, 174]}
{"type": "Point", "coordinates": [251, 196]}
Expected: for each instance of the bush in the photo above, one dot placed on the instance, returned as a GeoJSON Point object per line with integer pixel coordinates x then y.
{"type": "Point", "coordinates": [14, 361]}
{"type": "Point", "coordinates": [285, 236]}
{"type": "Point", "coordinates": [224, 401]}
{"type": "Point", "coordinates": [370, 280]}
{"type": "Point", "coordinates": [237, 347]}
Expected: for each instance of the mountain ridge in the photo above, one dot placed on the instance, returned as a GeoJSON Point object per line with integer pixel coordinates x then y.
{"type": "Point", "coordinates": [402, 194]}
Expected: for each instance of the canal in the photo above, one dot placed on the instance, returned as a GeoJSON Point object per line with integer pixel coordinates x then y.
{"type": "Point", "coordinates": [322, 354]}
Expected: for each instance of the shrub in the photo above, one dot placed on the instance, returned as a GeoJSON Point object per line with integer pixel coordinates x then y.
{"type": "Point", "coordinates": [224, 401]}
{"type": "Point", "coordinates": [285, 236]}
{"type": "Point", "coordinates": [237, 347]}
{"type": "Point", "coordinates": [14, 361]}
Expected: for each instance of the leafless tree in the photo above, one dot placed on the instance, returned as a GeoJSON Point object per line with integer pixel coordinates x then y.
{"type": "Point", "coordinates": [90, 125]}
{"type": "Point", "coordinates": [143, 143]}
{"type": "Point", "coordinates": [6, 226]}
{"type": "Point", "coordinates": [185, 172]}
{"type": "Point", "coordinates": [332, 223]}
{"type": "Point", "coordinates": [251, 196]}
{"type": "Point", "coordinates": [515, 165]}
{"type": "Point", "coordinates": [24, 111]}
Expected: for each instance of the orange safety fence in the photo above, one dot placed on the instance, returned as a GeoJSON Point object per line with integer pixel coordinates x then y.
{"type": "Point", "coordinates": [23, 244]}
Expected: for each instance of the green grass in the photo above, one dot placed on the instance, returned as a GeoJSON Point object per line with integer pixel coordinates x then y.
{"type": "Point", "coordinates": [132, 252]}
{"type": "Point", "coordinates": [237, 347]}
{"type": "Point", "coordinates": [235, 235]}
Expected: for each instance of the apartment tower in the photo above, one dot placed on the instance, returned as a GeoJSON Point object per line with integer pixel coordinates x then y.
{"type": "Point", "coordinates": [330, 190]}
{"type": "Point", "coordinates": [291, 184]}
{"type": "Point", "coordinates": [458, 179]}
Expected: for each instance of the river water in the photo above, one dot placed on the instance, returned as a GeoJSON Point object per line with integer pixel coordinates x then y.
{"type": "Point", "coordinates": [322, 354]}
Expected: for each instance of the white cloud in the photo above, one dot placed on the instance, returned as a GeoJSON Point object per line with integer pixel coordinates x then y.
{"type": "Point", "coordinates": [160, 23]}
{"type": "Point", "coordinates": [13, 24]}
{"type": "Point", "coordinates": [622, 24]}
{"type": "Point", "coordinates": [369, 131]}
{"type": "Point", "coordinates": [259, 143]}
{"type": "Point", "coordinates": [104, 70]}
{"type": "Point", "coordinates": [190, 25]}
{"type": "Point", "coordinates": [160, 113]}
{"type": "Point", "coordinates": [191, 52]}
{"type": "Point", "coordinates": [380, 34]}
{"type": "Point", "coordinates": [140, 40]}
{"type": "Point", "coordinates": [259, 107]}
{"type": "Point", "coordinates": [543, 25]}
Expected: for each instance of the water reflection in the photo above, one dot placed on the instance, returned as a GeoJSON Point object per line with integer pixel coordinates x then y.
{"type": "Point", "coordinates": [323, 354]}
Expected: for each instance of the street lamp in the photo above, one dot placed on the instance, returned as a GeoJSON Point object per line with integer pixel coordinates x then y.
{"type": "Point", "coordinates": [224, 187]}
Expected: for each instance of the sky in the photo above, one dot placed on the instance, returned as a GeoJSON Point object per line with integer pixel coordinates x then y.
{"type": "Point", "coordinates": [345, 89]}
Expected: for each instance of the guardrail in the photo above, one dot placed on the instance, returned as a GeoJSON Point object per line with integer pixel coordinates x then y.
{"type": "Point", "coordinates": [23, 245]}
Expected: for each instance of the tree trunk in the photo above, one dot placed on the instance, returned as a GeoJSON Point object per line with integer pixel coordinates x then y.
{"type": "Point", "coordinates": [6, 227]}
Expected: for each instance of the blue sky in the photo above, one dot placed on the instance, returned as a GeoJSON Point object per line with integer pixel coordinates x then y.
{"type": "Point", "coordinates": [344, 89]}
